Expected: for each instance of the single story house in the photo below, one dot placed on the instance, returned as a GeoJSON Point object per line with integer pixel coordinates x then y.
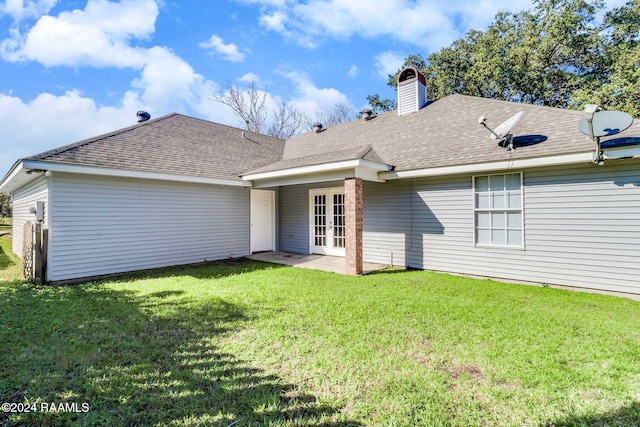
{"type": "Point", "coordinates": [424, 186]}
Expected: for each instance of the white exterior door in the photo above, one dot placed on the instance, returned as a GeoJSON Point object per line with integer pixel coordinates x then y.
{"type": "Point", "coordinates": [262, 221]}
{"type": "Point", "coordinates": [326, 221]}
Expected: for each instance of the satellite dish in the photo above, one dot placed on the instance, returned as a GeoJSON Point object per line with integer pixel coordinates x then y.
{"type": "Point", "coordinates": [502, 131]}
{"type": "Point", "coordinates": [606, 123]}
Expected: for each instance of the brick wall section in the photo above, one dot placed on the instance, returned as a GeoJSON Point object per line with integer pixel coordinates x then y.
{"type": "Point", "coordinates": [353, 225]}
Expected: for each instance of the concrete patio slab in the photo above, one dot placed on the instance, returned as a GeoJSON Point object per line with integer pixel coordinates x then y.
{"type": "Point", "coordinates": [332, 264]}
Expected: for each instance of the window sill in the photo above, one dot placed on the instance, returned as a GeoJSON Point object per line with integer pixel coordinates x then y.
{"type": "Point", "coordinates": [514, 248]}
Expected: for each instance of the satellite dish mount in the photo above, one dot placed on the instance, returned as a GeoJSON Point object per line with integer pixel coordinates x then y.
{"type": "Point", "coordinates": [597, 123]}
{"type": "Point", "coordinates": [502, 132]}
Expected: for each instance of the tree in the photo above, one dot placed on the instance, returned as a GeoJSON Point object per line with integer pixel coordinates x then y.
{"type": "Point", "coordinates": [340, 113]}
{"type": "Point", "coordinates": [554, 54]}
{"type": "Point", "coordinates": [5, 206]}
{"type": "Point", "coordinates": [619, 84]}
{"type": "Point", "coordinates": [378, 105]}
{"type": "Point", "coordinates": [541, 56]}
{"type": "Point", "coordinates": [287, 121]}
{"type": "Point", "coordinates": [251, 107]}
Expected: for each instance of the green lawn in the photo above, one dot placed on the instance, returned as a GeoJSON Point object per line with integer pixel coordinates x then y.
{"type": "Point", "coordinates": [10, 264]}
{"type": "Point", "coordinates": [246, 344]}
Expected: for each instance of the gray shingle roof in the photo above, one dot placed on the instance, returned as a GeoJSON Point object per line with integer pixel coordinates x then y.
{"type": "Point", "coordinates": [174, 144]}
{"type": "Point", "coordinates": [364, 152]}
{"type": "Point", "coordinates": [446, 132]}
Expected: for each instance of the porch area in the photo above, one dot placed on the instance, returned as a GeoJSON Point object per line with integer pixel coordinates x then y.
{"type": "Point", "coordinates": [333, 264]}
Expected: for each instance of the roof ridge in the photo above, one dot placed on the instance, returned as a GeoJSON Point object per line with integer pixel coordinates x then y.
{"type": "Point", "coordinates": [92, 140]}
{"type": "Point", "coordinates": [505, 101]}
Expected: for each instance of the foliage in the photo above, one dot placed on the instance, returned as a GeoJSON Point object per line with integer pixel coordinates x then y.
{"type": "Point", "coordinates": [539, 56]}
{"type": "Point", "coordinates": [378, 105]}
{"type": "Point", "coordinates": [619, 85]}
{"type": "Point", "coordinates": [247, 343]}
{"type": "Point", "coordinates": [554, 54]}
{"type": "Point", "coordinates": [5, 206]}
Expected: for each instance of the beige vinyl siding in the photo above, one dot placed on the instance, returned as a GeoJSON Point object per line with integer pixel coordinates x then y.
{"type": "Point", "coordinates": [109, 225]}
{"type": "Point", "coordinates": [23, 200]}
{"type": "Point", "coordinates": [581, 227]}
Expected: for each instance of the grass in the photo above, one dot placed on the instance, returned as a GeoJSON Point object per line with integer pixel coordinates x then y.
{"type": "Point", "coordinates": [10, 264]}
{"type": "Point", "coordinates": [245, 344]}
{"type": "Point", "coordinates": [5, 222]}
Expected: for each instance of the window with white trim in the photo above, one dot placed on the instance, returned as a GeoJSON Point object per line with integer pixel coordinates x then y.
{"type": "Point", "coordinates": [498, 210]}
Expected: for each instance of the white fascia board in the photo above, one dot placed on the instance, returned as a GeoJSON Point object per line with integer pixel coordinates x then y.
{"type": "Point", "coordinates": [325, 167]}
{"type": "Point", "coordinates": [491, 166]}
{"type": "Point", "coordinates": [13, 173]}
{"type": "Point", "coordinates": [304, 179]}
{"type": "Point", "coordinates": [123, 173]}
{"type": "Point", "coordinates": [18, 177]}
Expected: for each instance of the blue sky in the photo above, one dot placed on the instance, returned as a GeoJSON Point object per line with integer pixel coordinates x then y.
{"type": "Point", "coordinates": [74, 69]}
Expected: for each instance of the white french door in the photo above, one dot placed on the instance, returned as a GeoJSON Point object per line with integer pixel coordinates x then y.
{"type": "Point", "coordinates": [326, 220]}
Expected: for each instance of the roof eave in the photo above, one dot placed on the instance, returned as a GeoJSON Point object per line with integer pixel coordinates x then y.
{"type": "Point", "coordinates": [356, 168]}
{"type": "Point", "coordinates": [27, 166]}
{"type": "Point", "coordinates": [555, 160]}
{"type": "Point", "coordinates": [19, 176]}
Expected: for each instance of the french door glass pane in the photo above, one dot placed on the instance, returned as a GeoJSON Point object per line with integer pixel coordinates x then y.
{"type": "Point", "coordinates": [338, 221]}
{"type": "Point", "coordinates": [320, 220]}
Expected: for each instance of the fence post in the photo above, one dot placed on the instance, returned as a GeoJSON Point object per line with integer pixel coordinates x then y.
{"type": "Point", "coordinates": [34, 253]}
{"type": "Point", "coordinates": [27, 251]}
{"type": "Point", "coordinates": [37, 256]}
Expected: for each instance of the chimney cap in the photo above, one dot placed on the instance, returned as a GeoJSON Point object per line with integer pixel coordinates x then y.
{"type": "Point", "coordinates": [317, 127]}
{"type": "Point", "coordinates": [410, 74]}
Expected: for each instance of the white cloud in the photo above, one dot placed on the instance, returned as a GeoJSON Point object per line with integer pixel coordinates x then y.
{"type": "Point", "coordinates": [353, 72]}
{"type": "Point", "coordinates": [101, 36]}
{"type": "Point", "coordinates": [48, 121]}
{"type": "Point", "coordinates": [249, 77]}
{"type": "Point", "coordinates": [228, 52]}
{"type": "Point", "coordinates": [275, 21]}
{"type": "Point", "coordinates": [21, 9]}
{"type": "Point", "coordinates": [97, 36]}
{"type": "Point", "coordinates": [311, 99]}
{"type": "Point", "coordinates": [387, 63]}
{"type": "Point", "coordinates": [424, 23]}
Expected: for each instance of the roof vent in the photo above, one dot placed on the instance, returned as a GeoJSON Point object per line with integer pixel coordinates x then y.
{"type": "Point", "coordinates": [412, 91]}
{"type": "Point", "coordinates": [366, 114]}
{"type": "Point", "coordinates": [317, 127]}
{"type": "Point", "coordinates": [143, 116]}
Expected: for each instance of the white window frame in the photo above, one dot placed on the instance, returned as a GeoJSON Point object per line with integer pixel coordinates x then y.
{"type": "Point", "coordinates": [476, 210]}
